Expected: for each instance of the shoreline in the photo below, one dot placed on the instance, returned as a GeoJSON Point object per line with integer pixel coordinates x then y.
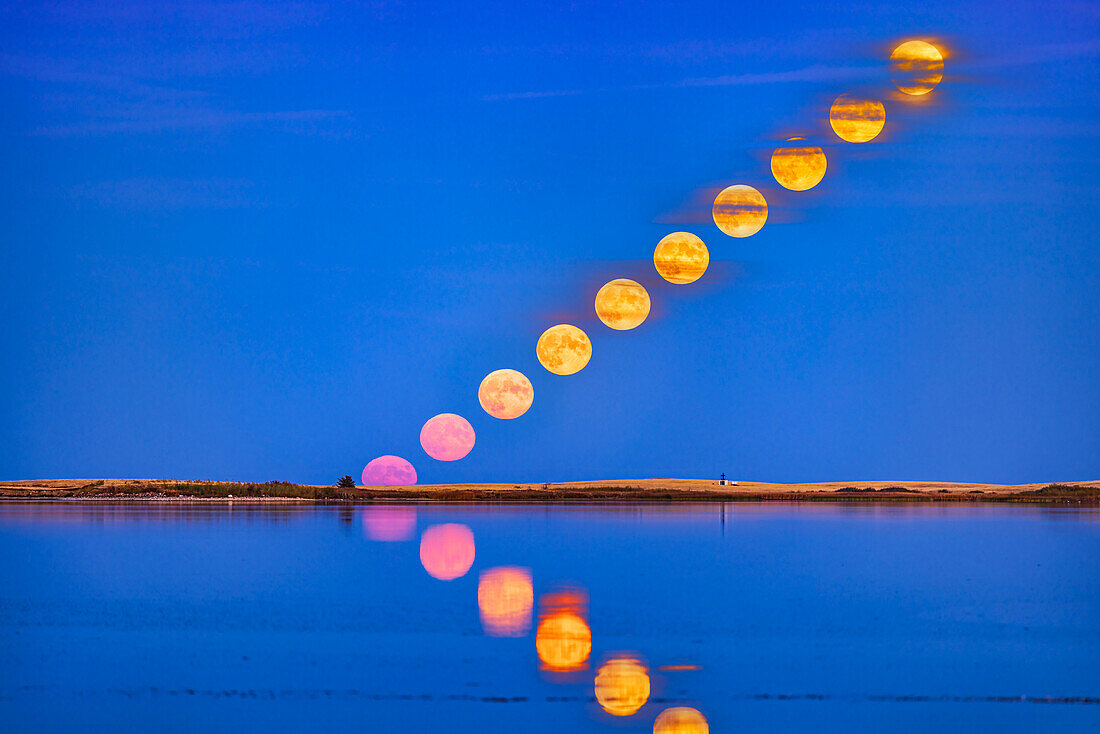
{"type": "Point", "coordinates": [640, 490]}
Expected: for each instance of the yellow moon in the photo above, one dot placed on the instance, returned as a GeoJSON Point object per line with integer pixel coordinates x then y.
{"type": "Point", "coordinates": [916, 67]}
{"type": "Point", "coordinates": [680, 720]}
{"type": "Point", "coordinates": [622, 686]}
{"type": "Point", "coordinates": [564, 349]}
{"type": "Point", "coordinates": [740, 211]}
{"type": "Point", "coordinates": [856, 120]}
{"type": "Point", "coordinates": [798, 167]}
{"type": "Point", "coordinates": [505, 394]}
{"type": "Point", "coordinates": [622, 304]}
{"type": "Point", "coordinates": [681, 258]}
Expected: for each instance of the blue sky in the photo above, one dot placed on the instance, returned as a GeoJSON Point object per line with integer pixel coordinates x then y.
{"type": "Point", "coordinates": [268, 241]}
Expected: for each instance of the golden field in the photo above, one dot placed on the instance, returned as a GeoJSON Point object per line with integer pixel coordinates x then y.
{"type": "Point", "coordinates": [603, 490]}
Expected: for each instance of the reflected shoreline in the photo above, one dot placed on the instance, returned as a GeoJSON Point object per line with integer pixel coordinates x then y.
{"type": "Point", "coordinates": [396, 520]}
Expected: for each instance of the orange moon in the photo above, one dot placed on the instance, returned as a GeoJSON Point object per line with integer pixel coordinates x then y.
{"type": "Point", "coordinates": [505, 598]}
{"type": "Point", "coordinates": [740, 211]}
{"type": "Point", "coordinates": [857, 120]}
{"type": "Point", "coordinates": [447, 437]}
{"type": "Point", "coordinates": [506, 394]}
{"type": "Point", "coordinates": [681, 258]}
{"type": "Point", "coordinates": [563, 641]}
{"type": "Point", "coordinates": [680, 720]}
{"type": "Point", "coordinates": [447, 551]}
{"type": "Point", "coordinates": [798, 167]}
{"type": "Point", "coordinates": [916, 67]}
{"type": "Point", "coordinates": [622, 304]}
{"type": "Point", "coordinates": [622, 686]}
{"type": "Point", "coordinates": [564, 349]}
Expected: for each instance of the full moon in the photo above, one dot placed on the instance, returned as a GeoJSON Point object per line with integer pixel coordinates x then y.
{"type": "Point", "coordinates": [740, 211]}
{"type": "Point", "coordinates": [622, 304]}
{"type": "Point", "coordinates": [681, 258]}
{"type": "Point", "coordinates": [388, 471]}
{"type": "Point", "coordinates": [916, 67]}
{"type": "Point", "coordinates": [856, 120]}
{"type": "Point", "coordinates": [447, 551]}
{"type": "Point", "coordinates": [680, 720]}
{"type": "Point", "coordinates": [505, 394]}
{"type": "Point", "coordinates": [564, 349]}
{"type": "Point", "coordinates": [622, 686]}
{"type": "Point", "coordinates": [447, 437]}
{"type": "Point", "coordinates": [798, 167]}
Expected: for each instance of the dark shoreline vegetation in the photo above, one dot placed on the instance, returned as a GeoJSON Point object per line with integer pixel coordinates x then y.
{"type": "Point", "coordinates": [143, 489]}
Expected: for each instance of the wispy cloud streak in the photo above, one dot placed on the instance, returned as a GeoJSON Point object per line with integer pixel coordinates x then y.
{"type": "Point", "coordinates": [817, 72]}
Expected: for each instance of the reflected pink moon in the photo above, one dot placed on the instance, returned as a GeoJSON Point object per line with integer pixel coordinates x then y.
{"type": "Point", "coordinates": [447, 551]}
{"type": "Point", "coordinates": [389, 523]}
{"type": "Point", "coordinates": [388, 471]}
{"type": "Point", "coordinates": [447, 437]}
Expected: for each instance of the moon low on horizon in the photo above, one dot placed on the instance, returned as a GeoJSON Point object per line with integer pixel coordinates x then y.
{"type": "Point", "coordinates": [740, 210]}
{"type": "Point", "coordinates": [506, 394]}
{"type": "Point", "coordinates": [681, 258]}
{"type": "Point", "coordinates": [564, 349]}
{"type": "Point", "coordinates": [916, 67]}
{"type": "Point", "coordinates": [857, 120]}
{"type": "Point", "coordinates": [798, 167]}
{"type": "Point", "coordinates": [622, 304]}
{"type": "Point", "coordinates": [388, 471]}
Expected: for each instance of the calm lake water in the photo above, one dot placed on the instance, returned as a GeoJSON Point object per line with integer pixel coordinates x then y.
{"type": "Point", "coordinates": [472, 618]}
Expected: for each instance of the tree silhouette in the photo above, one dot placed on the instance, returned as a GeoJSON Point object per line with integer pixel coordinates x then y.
{"type": "Point", "coordinates": [346, 482]}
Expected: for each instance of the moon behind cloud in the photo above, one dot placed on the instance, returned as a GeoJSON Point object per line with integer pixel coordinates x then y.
{"type": "Point", "coordinates": [916, 67]}
{"type": "Point", "coordinates": [681, 258]}
{"type": "Point", "coordinates": [740, 210]}
{"type": "Point", "coordinates": [857, 120]}
{"type": "Point", "coordinates": [798, 167]}
{"type": "Point", "coordinates": [622, 304]}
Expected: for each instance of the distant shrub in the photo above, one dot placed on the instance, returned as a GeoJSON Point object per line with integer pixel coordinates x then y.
{"type": "Point", "coordinates": [1065, 490]}
{"type": "Point", "coordinates": [346, 482]}
{"type": "Point", "coordinates": [872, 490]}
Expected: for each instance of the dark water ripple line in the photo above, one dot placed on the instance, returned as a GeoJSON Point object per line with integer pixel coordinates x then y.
{"type": "Point", "coordinates": [328, 693]}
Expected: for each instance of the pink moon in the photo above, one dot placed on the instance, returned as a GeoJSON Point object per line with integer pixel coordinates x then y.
{"type": "Point", "coordinates": [388, 471]}
{"type": "Point", "coordinates": [389, 523]}
{"type": "Point", "coordinates": [447, 437]}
